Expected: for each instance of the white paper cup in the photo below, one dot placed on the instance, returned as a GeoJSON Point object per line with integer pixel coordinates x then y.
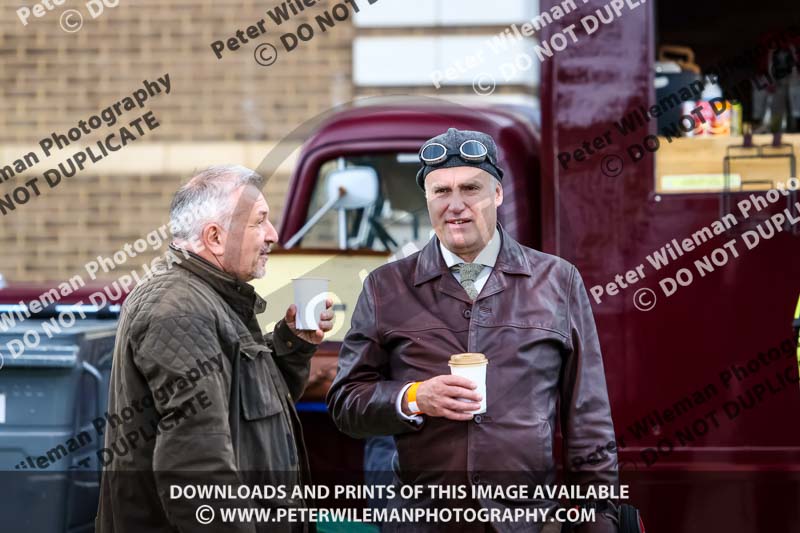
{"type": "Point", "coordinates": [473, 367]}
{"type": "Point", "coordinates": [309, 297]}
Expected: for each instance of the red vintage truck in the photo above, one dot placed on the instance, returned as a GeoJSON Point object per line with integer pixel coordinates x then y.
{"type": "Point", "coordinates": [693, 413]}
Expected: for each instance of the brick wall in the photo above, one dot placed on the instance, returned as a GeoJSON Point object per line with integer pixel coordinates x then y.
{"type": "Point", "coordinates": [219, 111]}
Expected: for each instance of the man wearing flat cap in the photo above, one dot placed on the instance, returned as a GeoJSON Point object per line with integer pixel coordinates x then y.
{"type": "Point", "coordinates": [473, 288]}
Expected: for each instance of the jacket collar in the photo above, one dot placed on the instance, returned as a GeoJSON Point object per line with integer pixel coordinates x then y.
{"type": "Point", "coordinates": [510, 260]}
{"type": "Point", "coordinates": [241, 296]}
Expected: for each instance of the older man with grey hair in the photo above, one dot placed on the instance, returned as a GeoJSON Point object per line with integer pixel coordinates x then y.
{"type": "Point", "coordinates": [199, 395]}
{"type": "Point", "coordinates": [476, 297]}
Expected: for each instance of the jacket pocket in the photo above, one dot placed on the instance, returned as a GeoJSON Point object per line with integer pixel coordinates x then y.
{"type": "Point", "coordinates": [258, 393]}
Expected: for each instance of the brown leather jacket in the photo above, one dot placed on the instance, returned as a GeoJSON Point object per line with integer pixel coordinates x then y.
{"type": "Point", "coordinates": [533, 320]}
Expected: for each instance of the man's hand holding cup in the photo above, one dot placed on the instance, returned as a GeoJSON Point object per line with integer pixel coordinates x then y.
{"type": "Point", "coordinates": [448, 396]}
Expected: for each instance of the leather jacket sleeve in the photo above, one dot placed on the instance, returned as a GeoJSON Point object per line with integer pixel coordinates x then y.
{"type": "Point", "coordinates": [584, 407]}
{"type": "Point", "coordinates": [361, 399]}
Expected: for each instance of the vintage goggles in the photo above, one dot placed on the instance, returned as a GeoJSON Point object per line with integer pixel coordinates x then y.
{"type": "Point", "coordinates": [471, 151]}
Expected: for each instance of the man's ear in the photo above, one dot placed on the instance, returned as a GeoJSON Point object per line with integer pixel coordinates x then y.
{"type": "Point", "coordinates": [498, 194]}
{"type": "Point", "coordinates": [213, 238]}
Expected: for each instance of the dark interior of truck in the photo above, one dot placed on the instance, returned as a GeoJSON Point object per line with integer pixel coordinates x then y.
{"type": "Point", "coordinates": [687, 26]}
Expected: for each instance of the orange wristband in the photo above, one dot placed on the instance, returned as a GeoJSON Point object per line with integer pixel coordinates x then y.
{"type": "Point", "coordinates": [412, 399]}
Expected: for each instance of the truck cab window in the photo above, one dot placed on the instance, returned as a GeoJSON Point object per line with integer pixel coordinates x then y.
{"type": "Point", "coordinates": [397, 217]}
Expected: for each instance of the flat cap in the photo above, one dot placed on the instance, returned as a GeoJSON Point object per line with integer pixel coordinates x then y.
{"type": "Point", "coordinates": [454, 156]}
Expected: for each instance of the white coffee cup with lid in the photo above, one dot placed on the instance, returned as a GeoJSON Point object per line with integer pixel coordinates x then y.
{"type": "Point", "coordinates": [473, 367]}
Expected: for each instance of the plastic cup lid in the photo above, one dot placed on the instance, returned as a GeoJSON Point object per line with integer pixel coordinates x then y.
{"type": "Point", "coordinates": [468, 359]}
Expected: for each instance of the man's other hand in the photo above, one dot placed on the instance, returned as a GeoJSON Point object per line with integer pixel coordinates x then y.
{"type": "Point", "coordinates": [325, 323]}
{"type": "Point", "coordinates": [442, 396]}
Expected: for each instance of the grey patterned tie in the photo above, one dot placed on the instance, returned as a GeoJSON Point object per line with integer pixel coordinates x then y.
{"type": "Point", "coordinates": [469, 273]}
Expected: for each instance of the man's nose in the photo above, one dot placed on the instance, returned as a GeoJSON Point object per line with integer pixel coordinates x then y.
{"type": "Point", "coordinates": [457, 203]}
{"type": "Point", "coordinates": [272, 234]}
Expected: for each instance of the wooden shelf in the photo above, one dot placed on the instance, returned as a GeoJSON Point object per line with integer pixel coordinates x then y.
{"type": "Point", "coordinates": [699, 161]}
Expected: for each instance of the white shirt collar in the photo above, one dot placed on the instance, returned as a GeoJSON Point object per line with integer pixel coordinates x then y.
{"type": "Point", "coordinates": [487, 257]}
